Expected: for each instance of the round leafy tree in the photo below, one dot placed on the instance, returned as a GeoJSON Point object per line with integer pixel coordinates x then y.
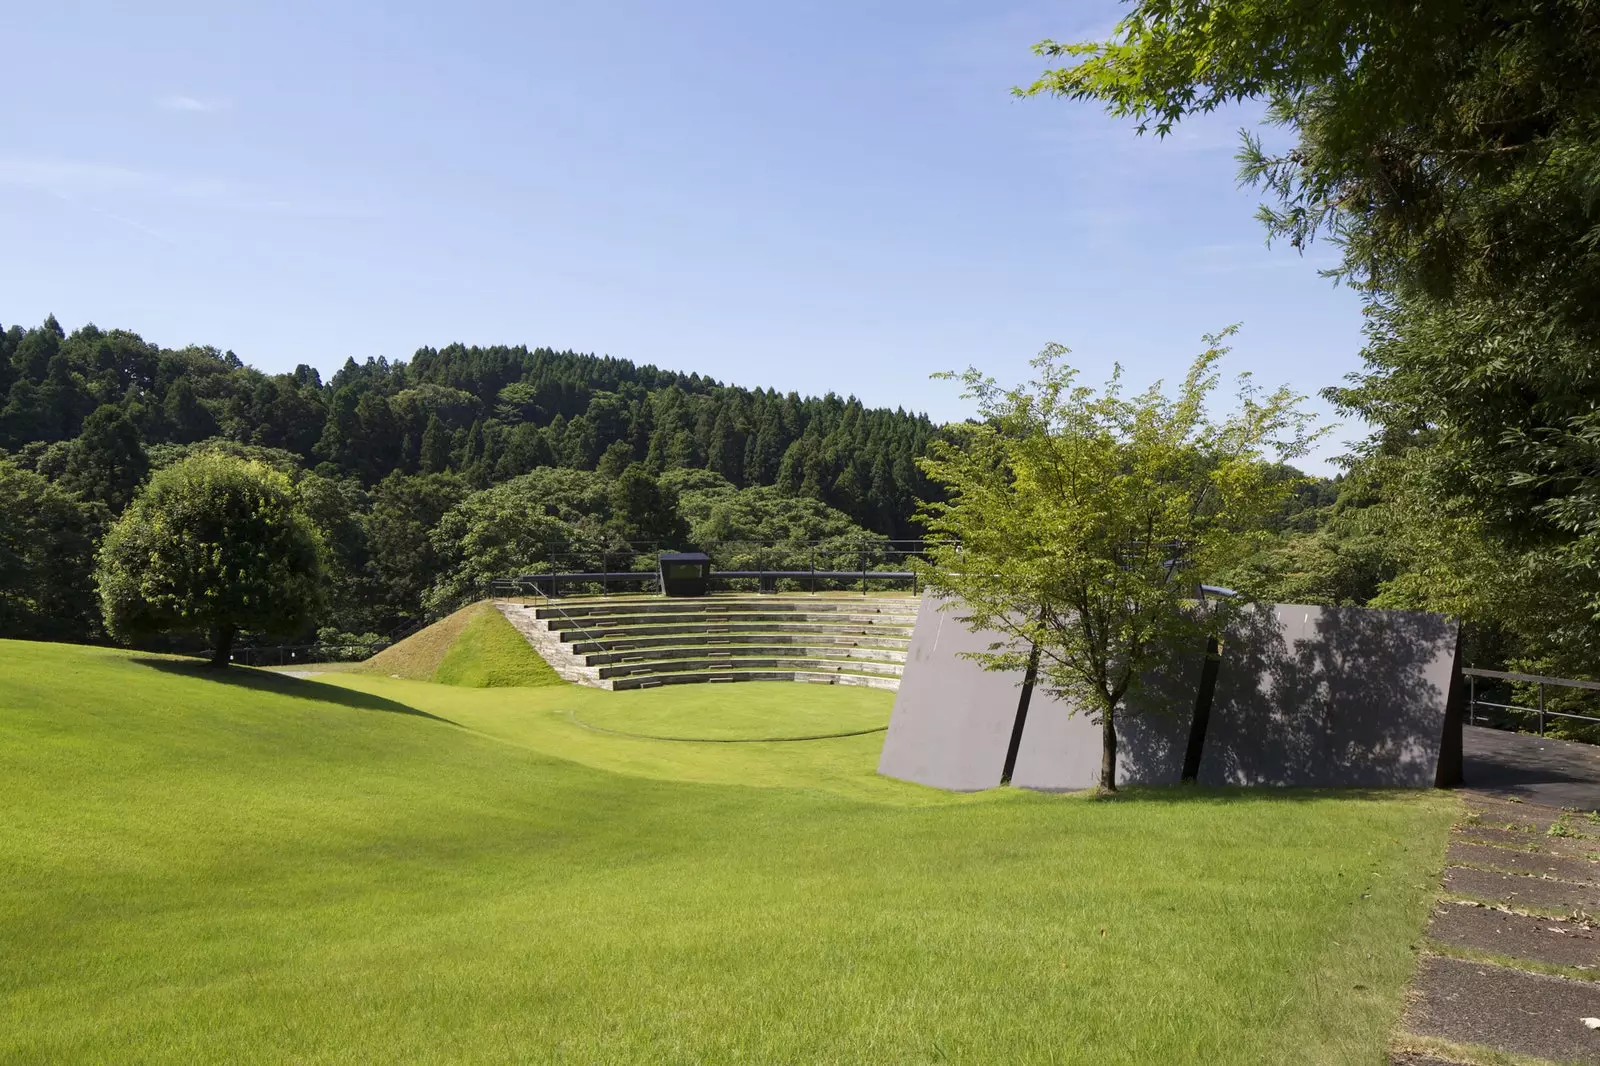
{"type": "Point", "coordinates": [212, 545]}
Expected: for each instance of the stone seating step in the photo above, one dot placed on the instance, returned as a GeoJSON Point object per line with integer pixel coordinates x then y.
{"type": "Point", "coordinates": [805, 663]}
{"type": "Point", "coordinates": [716, 629]}
{"type": "Point", "coordinates": [606, 622]}
{"type": "Point", "coordinates": [714, 676]}
{"type": "Point", "coordinates": [635, 642]}
{"type": "Point", "coordinates": [745, 650]}
{"type": "Point", "coordinates": [866, 638]}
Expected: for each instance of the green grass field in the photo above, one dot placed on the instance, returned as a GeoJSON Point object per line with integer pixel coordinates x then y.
{"type": "Point", "coordinates": [259, 869]}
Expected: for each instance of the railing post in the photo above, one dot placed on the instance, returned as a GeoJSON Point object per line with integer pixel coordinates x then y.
{"type": "Point", "coordinates": [1472, 700]}
{"type": "Point", "coordinates": [1541, 708]}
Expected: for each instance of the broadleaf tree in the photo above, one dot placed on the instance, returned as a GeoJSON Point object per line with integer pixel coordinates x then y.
{"type": "Point", "coordinates": [213, 545]}
{"type": "Point", "coordinates": [1451, 150]}
{"type": "Point", "coordinates": [1078, 524]}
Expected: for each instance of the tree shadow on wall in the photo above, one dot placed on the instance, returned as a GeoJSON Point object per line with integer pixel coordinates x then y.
{"type": "Point", "coordinates": [283, 685]}
{"type": "Point", "coordinates": [1350, 697]}
{"type": "Point", "coordinates": [1153, 731]}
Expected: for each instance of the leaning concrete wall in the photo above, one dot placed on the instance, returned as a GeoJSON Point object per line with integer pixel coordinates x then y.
{"type": "Point", "coordinates": [952, 719]}
{"type": "Point", "coordinates": [1060, 748]}
{"type": "Point", "coordinates": [1336, 696]}
{"type": "Point", "coordinates": [1305, 696]}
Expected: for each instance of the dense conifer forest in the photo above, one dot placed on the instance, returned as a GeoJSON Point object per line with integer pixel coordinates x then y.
{"type": "Point", "coordinates": [525, 451]}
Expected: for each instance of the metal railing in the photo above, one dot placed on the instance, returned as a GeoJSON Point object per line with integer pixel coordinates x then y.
{"type": "Point", "coordinates": [305, 654]}
{"type": "Point", "coordinates": [766, 579]}
{"type": "Point", "coordinates": [630, 561]}
{"type": "Point", "coordinates": [497, 586]}
{"type": "Point", "coordinates": [1542, 712]}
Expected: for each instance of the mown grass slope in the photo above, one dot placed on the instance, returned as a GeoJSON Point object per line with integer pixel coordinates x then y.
{"type": "Point", "coordinates": [490, 653]}
{"type": "Point", "coordinates": [255, 868]}
{"type": "Point", "coordinates": [475, 647]}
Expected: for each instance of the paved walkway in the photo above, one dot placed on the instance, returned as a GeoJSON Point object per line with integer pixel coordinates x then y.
{"type": "Point", "coordinates": [1556, 773]}
{"type": "Point", "coordinates": [1511, 963]}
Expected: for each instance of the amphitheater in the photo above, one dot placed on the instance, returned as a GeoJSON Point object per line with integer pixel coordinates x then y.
{"type": "Point", "coordinates": [638, 641]}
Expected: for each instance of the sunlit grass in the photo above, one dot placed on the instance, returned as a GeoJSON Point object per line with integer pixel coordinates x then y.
{"type": "Point", "coordinates": [490, 653]}
{"type": "Point", "coordinates": [260, 869]}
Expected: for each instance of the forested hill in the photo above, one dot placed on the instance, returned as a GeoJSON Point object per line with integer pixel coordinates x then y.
{"type": "Point", "coordinates": [488, 414]}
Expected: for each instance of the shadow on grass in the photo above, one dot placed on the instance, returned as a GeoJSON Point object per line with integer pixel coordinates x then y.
{"type": "Point", "coordinates": [284, 685]}
{"type": "Point", "coordinates": [1234, 794]}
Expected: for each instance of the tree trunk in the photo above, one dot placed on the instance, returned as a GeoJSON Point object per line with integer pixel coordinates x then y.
{"type": "Point", "coordinates": [1108, 750]}
{"type": "Point", "coordinates": [223, 644]}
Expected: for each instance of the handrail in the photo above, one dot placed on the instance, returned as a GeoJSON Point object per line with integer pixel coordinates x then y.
{"type": "Point", "coordinates": [574, 622]}
{"type": "Point", "coordinates": [1473, 702]}
{"type": "Point", "coordinates": [1532, 679]}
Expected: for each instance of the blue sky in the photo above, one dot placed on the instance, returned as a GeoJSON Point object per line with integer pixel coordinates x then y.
{"type": "Point", "coordinates": [817, 197]}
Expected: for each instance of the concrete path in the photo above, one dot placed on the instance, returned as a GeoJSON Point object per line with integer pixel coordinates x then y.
{"type": "Point", "coordinates": [1556, 773]}
{"type": "Point", "coordinates": [1511, 963]}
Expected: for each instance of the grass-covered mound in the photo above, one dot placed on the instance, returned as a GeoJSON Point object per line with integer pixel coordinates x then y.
{"type": "Point", "coordinates": [254, 868]}
{"type": "Point", "coordinates": [490, 653]}
{"type": "Point", "coordinates": [475, 647]}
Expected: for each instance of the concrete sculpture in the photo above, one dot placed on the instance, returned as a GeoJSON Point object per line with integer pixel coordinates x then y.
{"type": "Point", "coordinates": [1303, 696]}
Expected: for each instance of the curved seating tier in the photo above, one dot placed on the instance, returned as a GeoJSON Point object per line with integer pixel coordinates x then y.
{"type": "Point", "coordinates": [635, 642]}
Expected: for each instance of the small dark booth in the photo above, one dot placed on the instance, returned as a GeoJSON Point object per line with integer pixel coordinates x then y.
{"type": "Point", "coordinates": [685, 573]}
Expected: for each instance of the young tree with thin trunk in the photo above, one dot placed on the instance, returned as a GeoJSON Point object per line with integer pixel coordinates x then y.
{"type": "Point", "coordinates": [213, 545]}
{"type": "Point", "coordinates": [1081, 524]}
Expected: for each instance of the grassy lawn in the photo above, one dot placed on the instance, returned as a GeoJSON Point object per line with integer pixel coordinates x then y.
{"type": "Point", "coordinates": [262, 869]}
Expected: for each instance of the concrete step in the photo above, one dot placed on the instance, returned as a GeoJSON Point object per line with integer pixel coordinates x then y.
{"type": "Point", "coordinates": [811, 665]}
{"type": "Point", "coordinates": [603, 623]}
{"type": "Point", "coordinates": [710, 649]}
{"type": "Point", "coordinates": [714, 676]}
{"type": "Point", "coordinates": [604, 634]}
{"type": "Point", "coordinates": [866, 638]}
{"type": "Point", "coordinates": [633, 643]}
{"type": "Point", "coordinates": [550, 648]}
{"type": "Point", "coordinates": [753, 606]}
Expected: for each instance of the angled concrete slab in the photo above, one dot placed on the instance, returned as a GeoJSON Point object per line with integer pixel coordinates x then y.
{"type": "Point", "coordinates": [952, 719]}
{"type": "Point", "coordinates": [1060, 748]}
{"type": "Point", "coordinates": [1305, 696]}
{"type": "Point", "coordinates": [1337, 697]}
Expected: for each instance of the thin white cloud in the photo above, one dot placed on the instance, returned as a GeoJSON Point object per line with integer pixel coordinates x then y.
{"type": "Point", "coordinates": [120, 185]}
{"type": "Point", "coordinates": [194, 105]}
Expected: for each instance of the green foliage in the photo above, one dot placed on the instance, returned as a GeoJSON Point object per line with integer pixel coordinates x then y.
{"type": "Point", "coordinates": [1451, 152]}
{"type": "Point", "coordinates": [213, 545]}
{"type": "Point", "coordinates": [46, 559]}
{"type": "Point", "coordinates": [1078, 525]}
{"type": "Point", "coordinates": [489, 653]}
{"type": "Point", "coordinates": [403, 558]}
{"type": "Point", "coordinates": [644, 511]}
{"type": "Point", "coordinates": [765, 514]}
{"type": "Point", "coordinates": [107, 462]}
{"type": "Point", "coordinates": [552, 518]}
{"type": "Point", "coordinates": [484, 416]}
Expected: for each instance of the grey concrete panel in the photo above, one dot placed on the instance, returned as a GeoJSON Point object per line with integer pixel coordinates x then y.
{"type": "Point", "coordinates": [1060, 746]}
{"type": "Point", "coordinates": [952, 719]}
{"type": "Point", "coordinates": [1305, 696]}
{"type": "Point", "coordinates": [1326, 696]}
{"type": "Point", "coordinates": [1061, 749]}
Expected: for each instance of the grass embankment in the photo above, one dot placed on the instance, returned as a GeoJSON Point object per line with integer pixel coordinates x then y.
{"type": "Point", "coordinates": [255, 868]}
{"type": "Point", "coordinates": [475, 648]}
